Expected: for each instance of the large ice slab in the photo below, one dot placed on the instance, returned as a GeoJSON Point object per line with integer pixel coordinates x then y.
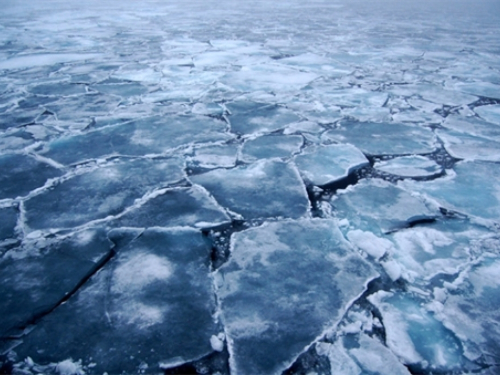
{"type": "Point", "coordinates": [22, 174]}
{"type": "Point", "coordinates": [490, 113]}
{"type": "Point", "coordinates": [473, 125]}
{"type": "Point", "coordinates": [285, 284]}
{"type": "Point", "coordinates": [8, 222]}
{"type": "Point", "coordinates": [469, 147]}
{"type": "Point", "coordinates": [176, 207]}
{"type": "Point", "coordinates": [470, 308]}
{"type": "Point", "coordinates": [327, 164]}
{"type": "Point", "coordinates": [268, 77]}
{"type": "Point", "coordinates": [149, 307]}
{"type": "Point", "coordinates": [486, 89]}
{"type": "Point", "coordinates": [153, 135]}
{"type": "Point", "coordinates": [271, 146]}
{"type": "Point", "coordinates": [410, 166]}
{"type": "Point", "coordinates": [41, 59]}
{"type": "Point", "coordinates": [361, 355]}
{"type": "Point", "coordinates": [100, 193]}
{"type": "Point", "coordinates": [384, 138]}
{"type": "Point", "coordinates": [415, 335]}
{"type": "Point", "coordinates": [472, 190]}
{"type": "Point", "coordinates": [380, 207]}
{"type": "Point", "coordinates": [441, 247]}
{"type": "Point", "coordinates": [267, 188]}
{"type": "Point", "coordinates": [248, 118]}
{"type": "Point", "coordinates": [214, 156]}
{"type": "Point", "coordinates": [35, 279]}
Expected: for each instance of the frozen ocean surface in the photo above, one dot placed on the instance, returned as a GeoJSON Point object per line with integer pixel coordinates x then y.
{"type": "Point", "coordinates": [230, 187]}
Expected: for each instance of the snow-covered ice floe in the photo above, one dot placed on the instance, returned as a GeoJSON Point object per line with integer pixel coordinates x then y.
{"type": "Point", "coordinates": [230, 188]}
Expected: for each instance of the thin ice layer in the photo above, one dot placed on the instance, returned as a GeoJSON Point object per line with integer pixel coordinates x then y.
{"type": "Point", "coordinates": [378, 206]}
{"type": "Point", "coordinates": [103, 192]}
{"type": "Point", "coordinates": [415, 335]}
{"type": "Point", "coordinates": [410, 166]}
{"type": "Point", "coordinates": [153, 135]}
{"type": "Point", "coordinates": [474, 126]}
{"type": "Point", "coordinates": [152, 304]}
{"type": "Point", "coordinates": [267, 188]}
{"type": "Point", "coordinates": [490, 113]}
{"type": "Point", "coordinates": [469, 147]}
{"type": "Point", "coordinates": [384, 138]}
{"type": "Point", "coordinates": [34, 279]}
{"type": "Point", "coordinates": [285, 284]}
{"type": "Point", "coordinates": [327, 164]}
{"type": "Point", "coordinates": [8, 222]}
{"type": "Point", "coordinates": [22, 174]}
{"type": "Point", "coordinates": [261, 119]}
{"type": "Point", "coordinates": [271, 146]}
{"type": "Point", "coordinates": [471, 308]}
{"type": "Point", "coordinates": [358, 355]}
{"type": "Point", "coordinates": [176, 207]}
{"type": "Point", "coordinates": [441, 247]}
{"type": "Point", "coordinates": [268, 77]}
{"type": "Point", "coordinates": [473, 190]}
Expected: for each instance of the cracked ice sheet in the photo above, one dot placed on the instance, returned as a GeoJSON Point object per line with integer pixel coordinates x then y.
{"type": "Point", "coordinates": [490, 113]}
{"type": "Point", "coordinates": [468, 147]}
{"type": "Point", "coordinates": [280, 275]}
{"type": "Point", "coordinates": [175, 207]}
{"type": "Point", "coordinates": [380, 207]}
{"type": "Point", "coordinates": [384, 138]}
{"type": "Point", "coordinates": [154, 135]}
{"type": "Point", "coordinates": [265, 189]}
{"type": "Point", "coordinates": [327, 164]}
{"type": "Point", "coordinates": [268, 77]}
{"type": "Point", "coordinates": [249, 117]}
{"type": "Point", "coordinates": [271, 146]}
{"type": "Point", "coordinates": [100, 193]}
{"type": "Point", "coordinates": [414, 334]}
{"type": "Point", "coordinates": [22, 174]}
{"type": "Point", "coordinates": [124, 324]}
{"type": "Point", "coordinates": [36, 277]}
{"type": "Point", "coordinates": [470, 308]}
{"type": "Point", "coordinates": [367, 355]}
{"type": "Point", "coordinates": [410, 166]}
{"type": "Point", "coordinates": [473, 189]}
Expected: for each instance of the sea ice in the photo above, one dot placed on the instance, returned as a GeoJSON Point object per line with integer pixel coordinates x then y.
{"type": "Point", "coordinates": [485, 89]}
{"type": "Point", "coordinates": [8, 221]}
{"type": "Point", "coordinates": [410, 166]}
{"type": "Point", "coordinates": [414, 334]}
{"type": "Point", "coordinates": [153, 135]}
{"type": "Point", "coordinates": [22, 174]}
{"type": "Point", "coordinates": [271, 146]}
{"type": "Point", "coordinates": [176, 207]}
{"type": "Point", "coordinates": [380, 207]}
{"type": "Point", "coordinates": [151, 304]}
{"type": "Point", "coordinates": [471, 309]}
{"type": "Point", "coordinates": [41, 59]}
{"type": "Point", "coordinates": [34, 279]}
{"type": "Point", "coordinates": [268, 77]}
{"type": "Point", "coordinates": [256, 118]}
{"type": "Point", "coordinates": [473, 125]}
{"type": "Point", "coordinates": [490, 113]}
{"type": "Point", "coordinates": [384, 138]}
{"type": "Point", "coordinates": [441, 247]}
{"type": "Point", "coordinates": [284, 285]}
{"type": "Point", "coordinates": [327, 164]}
{"type": "Point", "coordinates": [472, 190]}
{"type": "Point", "coordinates": [469, 147]}
{"type": "Point", "coordinates": [215, 156]}
{"type": "Point", "coordinates": [100, 193]}
{"type": "Point", "coordinates": [267, 188]}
